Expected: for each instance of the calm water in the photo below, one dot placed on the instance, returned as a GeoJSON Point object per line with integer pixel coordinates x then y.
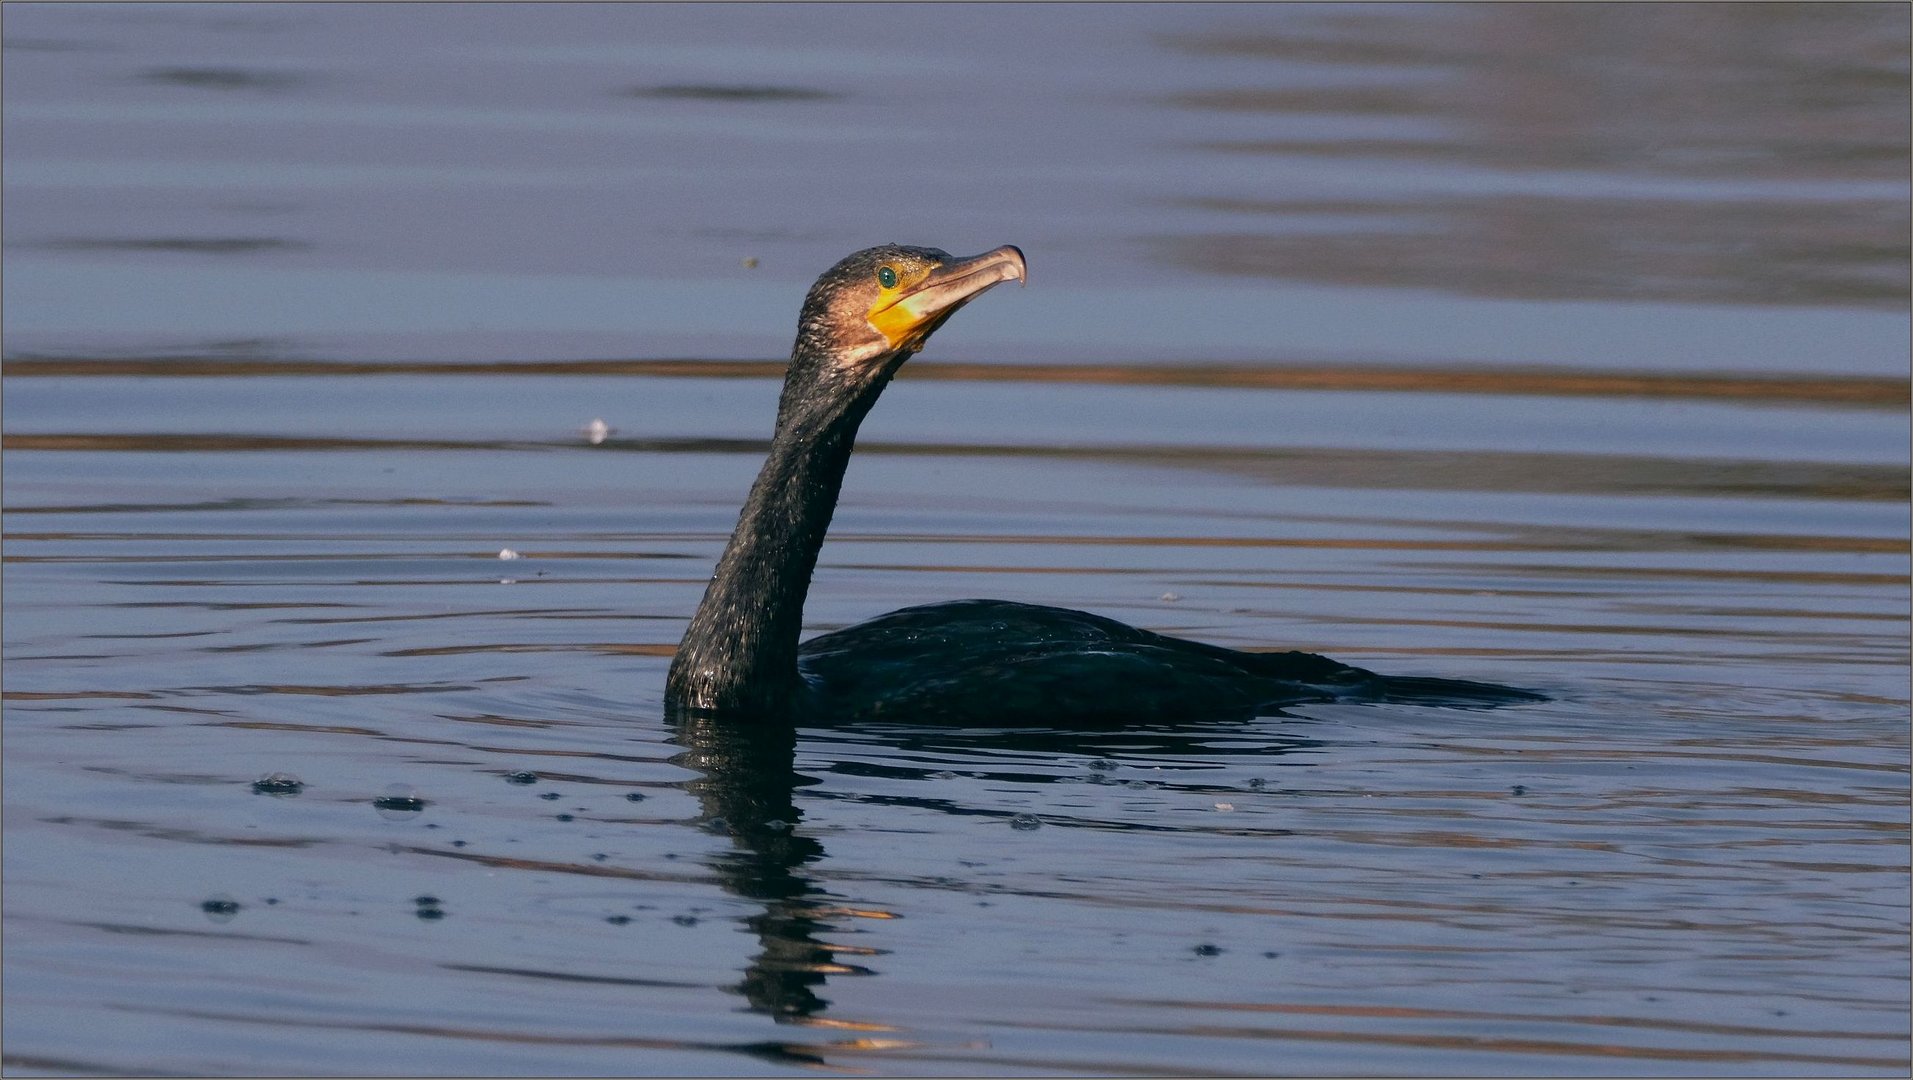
{"type": "Point", "coordinates": [1562, 346]}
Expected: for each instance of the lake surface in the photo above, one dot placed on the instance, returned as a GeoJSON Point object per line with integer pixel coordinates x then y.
{"type": "Point", "coordinates": [1560, 346]}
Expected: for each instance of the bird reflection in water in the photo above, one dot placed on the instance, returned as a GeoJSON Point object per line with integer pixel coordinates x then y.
{"type": "Point", "coordinates": [747, 788]}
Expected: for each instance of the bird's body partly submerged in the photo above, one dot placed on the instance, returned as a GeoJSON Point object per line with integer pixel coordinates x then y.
{"type": "Point", "coordinates": [973, 662]}
{"type": "Point", "coordinates": [983, 662]}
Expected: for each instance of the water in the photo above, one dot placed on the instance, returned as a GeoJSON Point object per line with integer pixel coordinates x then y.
{"type": "Point", "coordinates": [1557, 346]}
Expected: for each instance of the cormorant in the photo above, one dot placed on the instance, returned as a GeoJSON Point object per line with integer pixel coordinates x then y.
{"type": "Point", "coordinates": [978, 662]}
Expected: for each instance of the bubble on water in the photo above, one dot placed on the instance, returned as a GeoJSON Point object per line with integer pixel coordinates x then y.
{"type": "Point", "coordinates": [1225, 807]}
{"type": "Point", "coordinates": [1102, 764]}
{"type": "Point", "coordinates": [566, 817]}
{"type": "Point", "coordinates": [552, 796]}
{"type": "Point", "coordinates": [617, 920]}
{"type": "Point", "coordinates": [521, 778]}
{"type": "Point", "coordinates": [716, 825]}
{"type": "Point", "coordinates": [944, 774]}
{"type": "Point", "coordinates": [221, 908]}
{"type": "Point", "coordinates": [684, 920]}
{"type": "Point", "coordinates": [1170, 597]}
{"type": "Point", "coordinates": [597, 431]}
{"type": "Point", "coordinates": [427, 900]}
{"type": "Point", "coordinates": [634, 796]}
{"type": "Point", "coordinates": [1206, 949]}
{"type": "Point", "coordinates": [1257, 783]}
{"type": "Point", "coordinates": [281, 784]}
{"type": "Point", "coordinates": [398, 803]}
{"type": "Point", "coordinates": [1026, 822]}
{"type": "Point", "coordinates": [775, 825]}
{"type": "Point", "coordinates": [1140, 785]}
{"type": "Point", "coordinates": [508, 554]}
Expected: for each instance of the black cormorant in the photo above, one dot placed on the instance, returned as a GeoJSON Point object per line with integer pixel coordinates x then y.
{"type": "Point", "coordinates": [980, 662]}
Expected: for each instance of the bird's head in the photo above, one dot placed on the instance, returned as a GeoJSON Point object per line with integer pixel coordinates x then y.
{"type": "Point", "coordinates": [875, 308]}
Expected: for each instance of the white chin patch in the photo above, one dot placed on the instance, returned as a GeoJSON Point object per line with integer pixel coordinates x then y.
{"type": "Point", "coordinates": [865, 351]}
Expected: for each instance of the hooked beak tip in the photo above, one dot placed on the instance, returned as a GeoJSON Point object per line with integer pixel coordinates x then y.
{"type": "Point", "coordinates": [1022, 265]}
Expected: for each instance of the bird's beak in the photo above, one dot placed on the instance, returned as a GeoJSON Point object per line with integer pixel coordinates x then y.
{"type": "Point", "coordinates": [911, 317]}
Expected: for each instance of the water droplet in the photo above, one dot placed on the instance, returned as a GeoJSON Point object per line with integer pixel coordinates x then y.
{"type": "Point", "coordinates": [281, 784]}
{"type": "Point", "coordinates": [521, 778]}
{"type": "Point", "coordinates": [1026, 822]}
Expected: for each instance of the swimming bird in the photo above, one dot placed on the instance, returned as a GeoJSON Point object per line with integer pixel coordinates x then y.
{"type": "Point", "coordinates": [974, 662]}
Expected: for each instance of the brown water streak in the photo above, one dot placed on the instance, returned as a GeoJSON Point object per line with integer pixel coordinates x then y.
{"type": "Point", "coordinates": [1852, 390]}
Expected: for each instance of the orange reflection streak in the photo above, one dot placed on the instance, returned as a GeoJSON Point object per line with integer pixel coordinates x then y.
{"type": "Point", "coordinates": [1854, 390]}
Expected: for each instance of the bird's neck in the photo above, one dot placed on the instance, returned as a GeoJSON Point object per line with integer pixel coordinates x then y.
{"type": "Point", "coordinates": [740, 652]}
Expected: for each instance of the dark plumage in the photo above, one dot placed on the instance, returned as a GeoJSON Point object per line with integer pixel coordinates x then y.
{"type": "Point", "coordinates": [982, 662]}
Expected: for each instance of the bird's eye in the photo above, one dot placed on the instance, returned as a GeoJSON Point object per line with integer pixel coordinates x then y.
{"type": "Point", "coordinates": [887, 278]}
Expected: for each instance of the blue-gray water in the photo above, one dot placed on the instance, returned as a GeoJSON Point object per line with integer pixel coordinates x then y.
{"type": "Point", "coordinates": [1563, 346]}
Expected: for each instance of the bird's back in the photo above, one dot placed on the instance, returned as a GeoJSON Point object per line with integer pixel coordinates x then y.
{"type": "Point", "coordinates": [996, 662]}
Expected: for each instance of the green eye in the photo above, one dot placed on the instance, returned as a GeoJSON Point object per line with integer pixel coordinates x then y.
{"type": "Point", "coordinates": [887, 278]}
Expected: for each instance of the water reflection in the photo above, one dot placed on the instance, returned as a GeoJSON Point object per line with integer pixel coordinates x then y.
{"type": "Point", "coordinates": [283, 556]}
{"type": "Point", "coordinates": [1711, 153]}
{"type": "Point", "coordinates": [221, 78]}
{"type": "Point", "coordinates": [747, 791]}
